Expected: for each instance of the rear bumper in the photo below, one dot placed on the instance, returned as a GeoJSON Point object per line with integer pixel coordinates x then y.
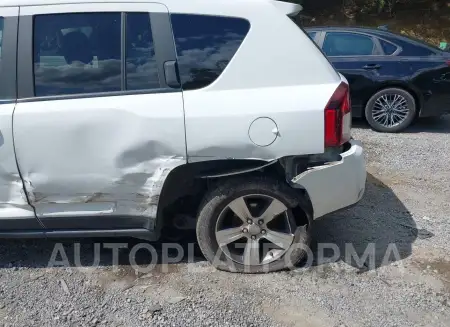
{"type": "Point", "coordinates": [335, 185]}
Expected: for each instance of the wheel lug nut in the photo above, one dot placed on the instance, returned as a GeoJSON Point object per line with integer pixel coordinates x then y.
{"type": "Point", "coordinates": [253, 237]}
{"type": "Point", "coordinates": [249, 221]}
{"type": "Point", "coordinates": [245, 230]}
{"type": "Point", "coordinates": [261, 222]}
{"type": "Point", "coordinates": [263, 231]}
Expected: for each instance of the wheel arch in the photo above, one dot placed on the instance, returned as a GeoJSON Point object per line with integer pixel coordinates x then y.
{"type": "Point", "coordinates": [193, 180]}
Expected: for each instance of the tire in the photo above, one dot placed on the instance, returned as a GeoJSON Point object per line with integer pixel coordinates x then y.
{"type": "Point", "coordinates": [216, 206]}
{"type": "Point", "coordinates": [391, 96]}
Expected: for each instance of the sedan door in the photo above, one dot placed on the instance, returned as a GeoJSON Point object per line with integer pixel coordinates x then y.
{"type": "Point", "coordinates": [360, 58]}
{"type": "Point", "coordinates": [97, 127]}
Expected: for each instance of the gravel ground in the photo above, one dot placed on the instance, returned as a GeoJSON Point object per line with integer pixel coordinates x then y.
{"type": "Point", "coordinates": [406, 204]}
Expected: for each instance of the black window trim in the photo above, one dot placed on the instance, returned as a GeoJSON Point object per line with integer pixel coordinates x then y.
{"type": "Point", "coordinates": [164, 51]}
{"type": "Point", "coordinates": [123, 60]}
{"type": "Point", "coordinates": [164, 45]}
{"type": "Point", "coordinates": [8, 73]}
{"type": "Point", "coordinates": [376, 52]}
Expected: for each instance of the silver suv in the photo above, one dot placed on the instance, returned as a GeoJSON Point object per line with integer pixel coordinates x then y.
{"type": "Point", "coordinates": [121, 118]}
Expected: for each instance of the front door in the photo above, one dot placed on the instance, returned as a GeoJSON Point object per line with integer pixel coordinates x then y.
{"type": "Point", "coordinates": [96, 127]}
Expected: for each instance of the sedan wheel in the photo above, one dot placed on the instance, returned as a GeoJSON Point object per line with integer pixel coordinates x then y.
{"type": "Point", "coordinates": [250, 226]}
{"type": "Point", "coordinates": [391, 110]}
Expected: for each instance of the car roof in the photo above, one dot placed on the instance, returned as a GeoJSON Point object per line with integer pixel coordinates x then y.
{"type": "Point", "coordinates": [378, 32]}
{"type": "Point", "coordinates": [354, 28]}
{"type": "Point", "coordinates": [15, 3]}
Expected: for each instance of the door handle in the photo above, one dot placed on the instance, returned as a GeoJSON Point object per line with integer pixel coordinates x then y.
{"type": "Point", "coordinates": [372, 66]}
{"type": "Point", "coordinates": [171, 74]}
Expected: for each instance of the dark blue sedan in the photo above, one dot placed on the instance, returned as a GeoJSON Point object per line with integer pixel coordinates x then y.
{"type": "Point", "coordinates": [394, 79]}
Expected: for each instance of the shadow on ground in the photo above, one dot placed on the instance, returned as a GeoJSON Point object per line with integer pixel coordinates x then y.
{"type": "Point", "coordinates": [379, 220]}
{"type": "Point", "coordinates": [427, 125]}
{"type": "Point", "coordinates": [380, 225]}
{"type": "Point", "coordinates": [90, 252]}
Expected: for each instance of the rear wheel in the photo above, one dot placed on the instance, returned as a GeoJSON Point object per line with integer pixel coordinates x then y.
{"type": "Point", "coordinates": [390, 110]}
{"type": "Point", "coordinates": [253, 226]}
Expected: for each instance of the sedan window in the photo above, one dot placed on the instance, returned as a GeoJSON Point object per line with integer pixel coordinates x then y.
{"type": "Point", "coordinates": [312, 35]}
{"type": "Point", "coordinates": [347, 44]}
{"type": "Point", "coordinates": [388, 47]}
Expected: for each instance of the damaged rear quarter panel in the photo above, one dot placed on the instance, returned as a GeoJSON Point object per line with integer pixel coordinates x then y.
{"type": "Point", "coordinates": [99, 156]}
{"type": "Point", "coordinates": [296, 111]}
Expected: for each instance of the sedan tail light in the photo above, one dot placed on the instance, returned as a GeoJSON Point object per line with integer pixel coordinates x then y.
{"type": "Point", "coordinates": [338, 118]}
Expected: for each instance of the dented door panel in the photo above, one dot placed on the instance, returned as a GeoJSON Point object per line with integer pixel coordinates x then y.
{"type": "Point", "coordinates": [104, 156]}
{"type": "Point", "coordinates": [96, 135]}
{"type": "Point", "coordinates": [15, 212]}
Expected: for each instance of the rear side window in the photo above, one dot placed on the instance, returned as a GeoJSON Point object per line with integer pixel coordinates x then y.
{"type": "Point", "coordinates": [81, 53]}
{"type": "Point", "coordinates": [388, 47]}
{"type": "Point", "coordinates": [205, 45]}
{"type": "Point", "coordinates": [312, 35]}
{"type": "Point", "coordinates": [347, 44]}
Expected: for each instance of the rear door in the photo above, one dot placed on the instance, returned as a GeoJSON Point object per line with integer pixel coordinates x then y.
{"type": "Point", "coordinates": [349, 53]}
{"type": "Point", "coordinates": [15, 212]}
{"type": "Point", "coordinates": [97, 127]}
{"type": "Point", "coordinates": [360, 58]}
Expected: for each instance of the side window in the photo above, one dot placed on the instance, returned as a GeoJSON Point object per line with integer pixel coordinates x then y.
{"type": "Point", "coordinates": [347, 44]}
{"type": "Point", "coordinates": [388, 47]}
{"type": "Point", "coordinates": [205, 45]}
{"type": "Point", "coordinates": [312, 35]}
{"type": "Point", "coordinates": [142, 68]}
{"type": "Point", "coordinates": [77, 53]}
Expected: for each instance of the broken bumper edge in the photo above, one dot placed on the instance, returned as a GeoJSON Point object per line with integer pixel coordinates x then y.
{"type": "Point", "coordinates": [335, 185]}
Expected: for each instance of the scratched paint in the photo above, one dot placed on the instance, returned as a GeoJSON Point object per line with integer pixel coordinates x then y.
{"type": "Point", "coordinates": [130, 195]}
{"type": "Point", "coordinates": [99, 156]}
{"type": "Point", "coordinates": [13, 201]}
{"type": "Point", "coordinates": [110, 156]}
{"type": "Point", "coordinates": [335, 185]}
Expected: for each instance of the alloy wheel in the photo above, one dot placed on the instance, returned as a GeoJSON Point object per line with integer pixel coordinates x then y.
{"type": "Point", "coordinates": [390, 110]}
{"type": "Point", "coordinates": [255, 229]}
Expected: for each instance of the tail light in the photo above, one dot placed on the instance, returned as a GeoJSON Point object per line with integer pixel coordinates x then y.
{"type": "Point", "coordinates": [338, 118]}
